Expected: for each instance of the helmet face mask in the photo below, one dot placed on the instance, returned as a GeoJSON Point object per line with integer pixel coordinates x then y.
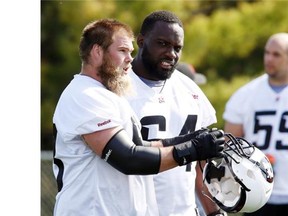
{"type": "Point", "coordinates": [242, 180]}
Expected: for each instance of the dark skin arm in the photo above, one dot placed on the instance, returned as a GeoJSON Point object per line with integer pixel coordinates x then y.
{"type": "Point", "coordinates": [208, 205]}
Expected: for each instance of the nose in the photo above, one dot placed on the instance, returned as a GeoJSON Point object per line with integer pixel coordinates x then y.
{"type": "Point", "coordinates": [267, 58]}
{"type": "Point", "coordinates": [171, 53]}
{"type": "Point", "coordinates": [129, 58]}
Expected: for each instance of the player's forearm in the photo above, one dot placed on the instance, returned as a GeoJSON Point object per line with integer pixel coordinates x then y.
{"type": "Point", "coordinates": [167, 159]}
{"type": "Point", "coordinates": [121, 153]}
{"type": "Point", "coordinates": [157, 143]}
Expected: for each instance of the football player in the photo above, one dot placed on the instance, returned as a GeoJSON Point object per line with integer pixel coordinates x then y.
{"type": "Point", "coordinates": [258, 111]}
{"type": "Point", "coordinates": [169, 104]}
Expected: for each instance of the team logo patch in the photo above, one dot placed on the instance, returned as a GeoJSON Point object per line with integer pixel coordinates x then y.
{"type": "Point", "coordinates": [103, 123]}
{"type": "Point", "coordinates": [161, 99]}
{"type": "Point", "coordinates": [196, 97]}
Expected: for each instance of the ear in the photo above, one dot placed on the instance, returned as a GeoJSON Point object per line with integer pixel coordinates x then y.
{"type": "Point", "coordinates": [140, 40]}
{"type": "Point", "coordinates": [96, 52]}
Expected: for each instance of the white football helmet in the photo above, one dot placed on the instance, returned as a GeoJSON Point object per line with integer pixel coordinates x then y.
{"type": "Point", "coordinates": [242, 180]}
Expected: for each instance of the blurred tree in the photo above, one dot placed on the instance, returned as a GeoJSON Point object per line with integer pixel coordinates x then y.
{"type": "Point", "coordinates": [222, 39]}
{"type": "Point", "coordinates": [230, 42]}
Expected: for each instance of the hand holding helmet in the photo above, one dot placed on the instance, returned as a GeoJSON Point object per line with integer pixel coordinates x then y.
{"type": "Point", "coordinates": [207, 144]}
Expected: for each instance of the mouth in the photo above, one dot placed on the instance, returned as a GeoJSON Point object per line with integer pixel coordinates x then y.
{"type": "Point", "coordinates": [269, 67]}
{"type": "Point", "coordinates": [165, 64]}
{"type": "Point", "coordinates": [126, 69]}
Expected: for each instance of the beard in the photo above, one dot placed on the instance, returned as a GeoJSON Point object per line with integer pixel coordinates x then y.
{"type": "Point", "coordinates": [113, 78]}
{"type": "Point", "coordinates": [152, 68]}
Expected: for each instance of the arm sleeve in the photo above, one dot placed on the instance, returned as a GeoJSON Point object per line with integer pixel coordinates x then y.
{"type": "Point", "coordinates": [121, 153]}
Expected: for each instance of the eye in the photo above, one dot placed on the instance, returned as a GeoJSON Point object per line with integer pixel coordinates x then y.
{"type": "Point", "coordinates": [178, 49]}
{"type": "Point", "coordinates": [276, 54]}
{"type": "Point", "coordinates": [125, 51]}
{"type": "Point", "coordinates": [162, 43]}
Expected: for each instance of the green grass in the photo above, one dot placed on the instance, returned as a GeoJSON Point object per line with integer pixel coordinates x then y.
{"type": "Point", "coordinates": [48, 188]}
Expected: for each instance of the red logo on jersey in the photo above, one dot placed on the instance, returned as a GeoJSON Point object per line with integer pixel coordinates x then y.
{"type": "Point", "coordinates": [103, 123]}
{"type": "Point", "coordinates": [161, 99]}
{"type": "Point", "coordinates": [195, 96]}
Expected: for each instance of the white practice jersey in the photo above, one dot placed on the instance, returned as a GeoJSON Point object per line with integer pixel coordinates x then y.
{"type": "Point", "coordinates": [181, 106]}
{"type": "Point", "coordinates": [264, 116]}
{"type": "Point", "coordinates": [89, 185]}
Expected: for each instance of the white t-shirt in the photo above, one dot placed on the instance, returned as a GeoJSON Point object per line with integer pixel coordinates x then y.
{"type": "Point", "coordinates": [264, 116]}
{"type": "Point", "coordinates": [181, 106]}
{"type": "Point", "coordinates": [90, 185]}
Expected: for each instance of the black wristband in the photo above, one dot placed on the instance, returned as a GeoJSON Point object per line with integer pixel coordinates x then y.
{"type": "Point", "coordinates": [184, 153]}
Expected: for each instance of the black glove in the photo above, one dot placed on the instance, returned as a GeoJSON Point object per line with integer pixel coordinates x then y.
{"type": "Point", "coordinates": [208, 144]}
{"type": "Point", "coordinates": [183, 138]}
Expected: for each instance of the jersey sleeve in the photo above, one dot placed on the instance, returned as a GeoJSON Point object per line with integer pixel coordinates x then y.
{"type": "Point", "coordinates": [235, 107]}
{"type": "Point", "coordinates": [86, 112]}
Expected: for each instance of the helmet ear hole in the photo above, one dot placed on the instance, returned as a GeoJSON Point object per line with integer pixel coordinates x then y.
{"type": "Point", "coordinates": [251, 174]}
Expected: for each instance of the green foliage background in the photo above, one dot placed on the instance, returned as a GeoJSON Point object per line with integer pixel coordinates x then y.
{"type": "Point", "coordinates": [223, 40]}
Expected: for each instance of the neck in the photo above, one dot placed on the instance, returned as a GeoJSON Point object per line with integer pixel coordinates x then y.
{"type": "Point", "coordinates": [278, 82]}
{"type": "Point", "coordinates": [88, 70]}
{"type": "Point", "coordinates": [139, 69]}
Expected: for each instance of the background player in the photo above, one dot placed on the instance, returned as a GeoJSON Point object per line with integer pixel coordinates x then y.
{"type": "Point", "coordinates": [168, 104]}
{"type": "Point", "coordinates": [259, 112]}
